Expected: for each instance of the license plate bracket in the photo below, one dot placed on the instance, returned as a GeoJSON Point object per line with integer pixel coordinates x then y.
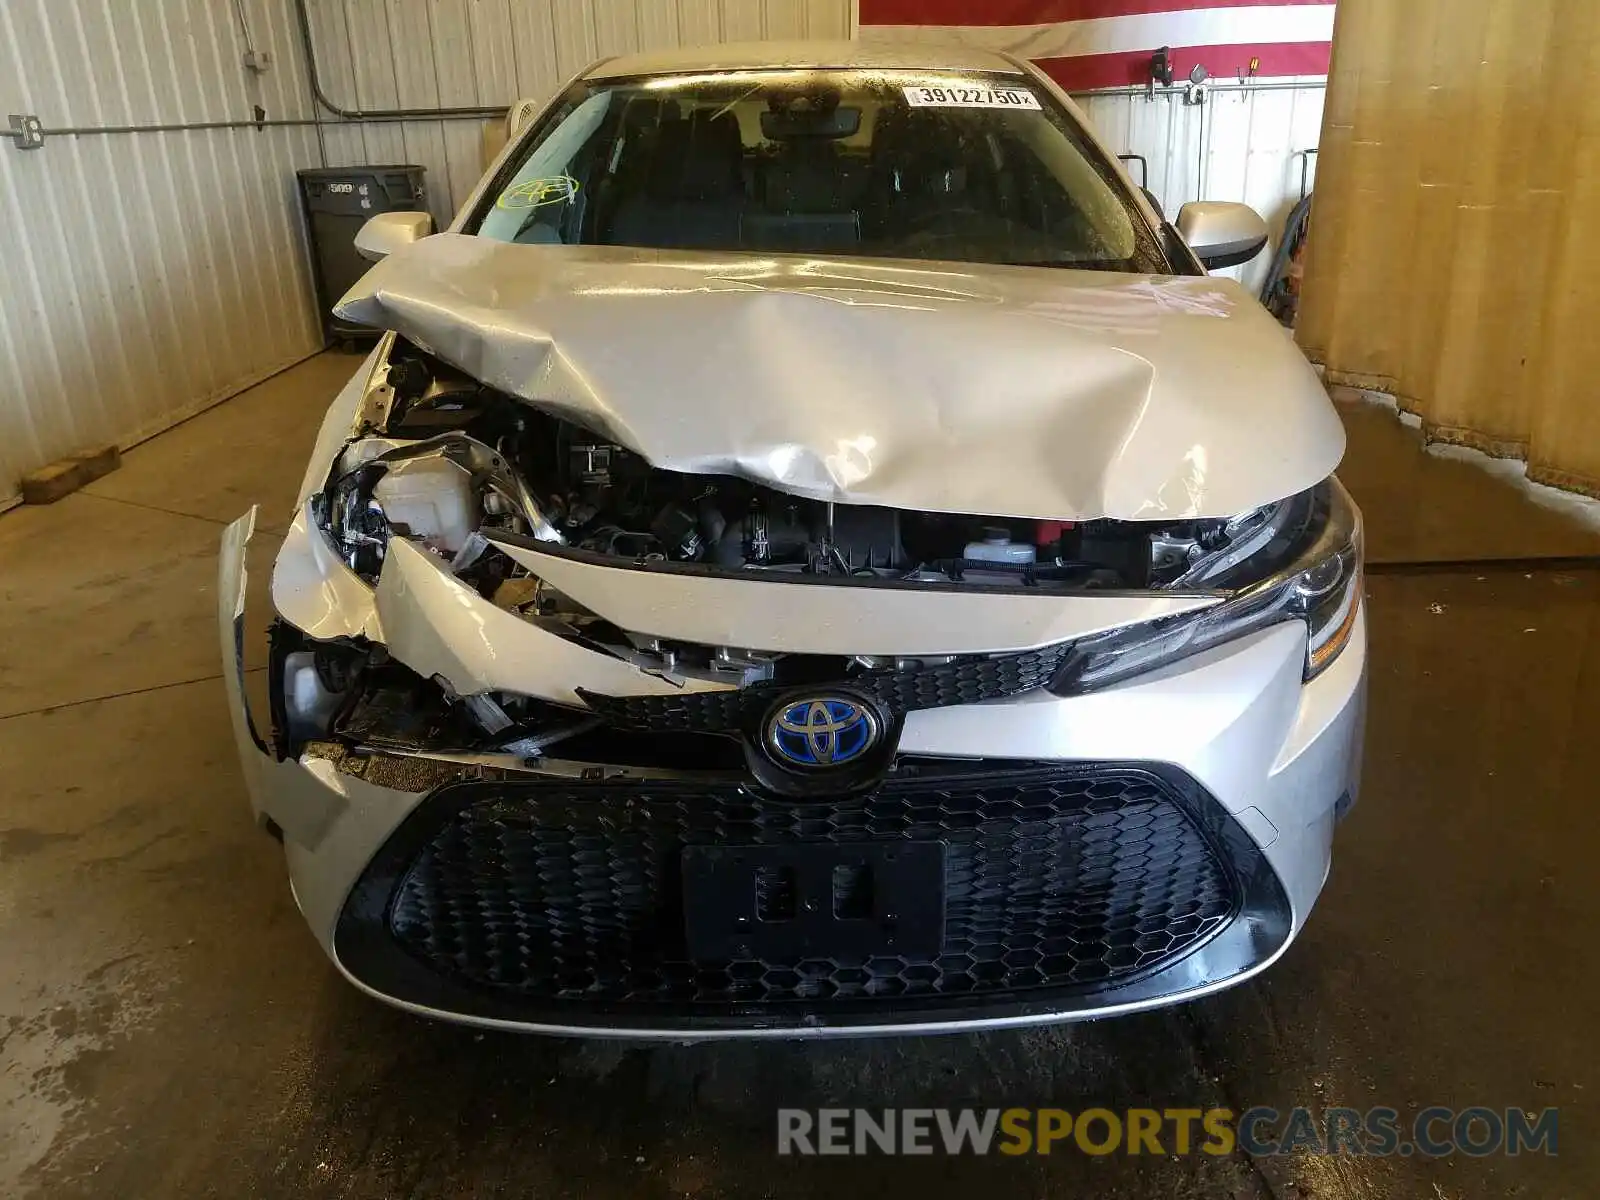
{"type": "Point", "coordinates": [814, 900]}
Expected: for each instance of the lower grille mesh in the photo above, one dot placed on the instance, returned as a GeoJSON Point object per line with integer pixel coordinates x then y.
{"type": "Point", "coordinates": [1053, 880]}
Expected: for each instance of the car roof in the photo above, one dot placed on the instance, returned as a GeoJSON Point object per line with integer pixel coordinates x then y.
{"type": "Point", "coordinates": [896, 55]}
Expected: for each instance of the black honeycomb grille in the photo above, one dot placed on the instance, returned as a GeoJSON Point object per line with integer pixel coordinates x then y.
{"type": "Point", "coordinates": [572, 895]}
{"type": "Point", "coordinates": [961, 681]}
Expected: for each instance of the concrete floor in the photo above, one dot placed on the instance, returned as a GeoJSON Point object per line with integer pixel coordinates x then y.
{"type": "Point", "coordinates": [168, 1027]}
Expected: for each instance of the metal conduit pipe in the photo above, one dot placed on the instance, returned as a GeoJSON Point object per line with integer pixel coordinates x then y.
{"type": "Point", "coordinates": [191, 126]}
{"type": "Point", "coordinates": [387, 114]}
{"type": "Point", "coordinates": [1213, 87]}
{"type": "Point", "coordinates": [28, 132]}
{"type": "Point", "coordinates": [473, 113]}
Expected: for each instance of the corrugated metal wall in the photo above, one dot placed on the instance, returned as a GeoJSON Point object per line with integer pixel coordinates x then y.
{"type": "Point", "coordinates": [419, 53]}
{"type": "Point", "coordinates": [143, 276]}
{"type": "Point", "coordinates": [1238, 145]}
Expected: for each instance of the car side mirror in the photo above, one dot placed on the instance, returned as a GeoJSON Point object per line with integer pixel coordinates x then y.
{"type": "Point", "coordinates": [520, 115]}
{"type": "Point", "coordinates": [1222, 233]}
{"type": "Point", "coordinates": [387, 232]}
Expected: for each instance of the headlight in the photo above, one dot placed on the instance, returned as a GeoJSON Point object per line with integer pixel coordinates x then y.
{"type": "Point", "coordinates": [1321, 586]}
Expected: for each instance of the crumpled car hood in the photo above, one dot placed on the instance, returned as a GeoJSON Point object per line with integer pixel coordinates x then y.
{"type": "Point", "coordinates": [1009, 391]}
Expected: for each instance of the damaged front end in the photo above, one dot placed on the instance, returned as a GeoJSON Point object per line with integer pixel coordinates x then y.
{"type": "Point", "coordinates": [502, 585]}
{"type": "Point", "coordinates": [518, 676]}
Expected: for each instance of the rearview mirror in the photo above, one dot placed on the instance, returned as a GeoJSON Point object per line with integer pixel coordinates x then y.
{"type": "Point", "coordinates": [387, 232]}
{"type": "Point", "coordinates": [1222, 233]}
{"type": "Point", "coordinates": [795, 124]}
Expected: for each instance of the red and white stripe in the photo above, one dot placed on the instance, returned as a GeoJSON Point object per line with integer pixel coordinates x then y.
{"type": "Point", "coordinates": [1088, 44]}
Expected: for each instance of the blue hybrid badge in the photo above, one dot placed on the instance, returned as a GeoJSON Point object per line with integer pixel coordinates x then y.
{"type": "Point", "coordinates": [821, 731]}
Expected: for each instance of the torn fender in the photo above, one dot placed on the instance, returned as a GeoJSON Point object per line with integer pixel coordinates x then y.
{"type": "Point", "coordinates": [316, 592]}
{"type": "Point", "coordinates": [1014, 391]}
{"type": "Point", "coordinates": [438, 626]}
{"type": "Point", "coordinates": [304, 814]}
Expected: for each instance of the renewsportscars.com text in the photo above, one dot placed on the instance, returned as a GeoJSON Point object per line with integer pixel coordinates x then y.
{"type": "Point", "coordinates": [1435, 1131]}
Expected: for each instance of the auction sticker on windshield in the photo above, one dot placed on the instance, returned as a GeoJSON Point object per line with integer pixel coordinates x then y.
{"type": "Point", "coordinates": [969, 97]}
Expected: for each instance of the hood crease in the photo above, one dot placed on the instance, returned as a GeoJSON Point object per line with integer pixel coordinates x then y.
{"type": "Point", "coordinates": [1005, 391]}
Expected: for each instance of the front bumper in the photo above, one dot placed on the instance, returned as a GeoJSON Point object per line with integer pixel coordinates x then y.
{"type": "Point", "coordinates": [1255, 761]}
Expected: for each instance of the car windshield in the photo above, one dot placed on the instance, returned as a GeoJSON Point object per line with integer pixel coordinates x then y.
{"type": "Point", "coordinates": [963, 167]}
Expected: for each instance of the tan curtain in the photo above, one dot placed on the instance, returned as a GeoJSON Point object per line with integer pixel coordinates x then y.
{"type": "Point", "coordinates": [1455, 248]}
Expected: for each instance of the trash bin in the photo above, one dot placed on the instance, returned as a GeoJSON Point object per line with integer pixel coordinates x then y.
{"type": "Point", "coordinates": [338, 201]}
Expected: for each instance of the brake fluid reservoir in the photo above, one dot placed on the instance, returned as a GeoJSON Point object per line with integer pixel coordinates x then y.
{"type": "Point", "coordinates": [432, 498]}
{"type": "Point", "coordinates": [998, 547]}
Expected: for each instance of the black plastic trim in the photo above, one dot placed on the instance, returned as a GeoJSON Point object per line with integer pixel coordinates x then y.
{"type": "Point", "coordinates": [1260, 927]}
{"type": "Point", "coordinates": [1231, 254]}
{"type": "Point", "coordinates": [787, 579]}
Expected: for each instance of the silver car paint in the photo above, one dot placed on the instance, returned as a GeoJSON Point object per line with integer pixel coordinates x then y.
{"type": "Point", "coordinates": [438, 626]}
{"type": "Point", "coordinates": [1279, 755]}
{"type": "Point", "coordinates": [1221, 227]}
{"type": "Point", "coordinates": [276, 788]}
{"type": "Point", "coordinates": [316, 592]}
{"type": "Point", "coordinates": [1012, 391]}
{"type": "Point", "coordinates": [763, 613]}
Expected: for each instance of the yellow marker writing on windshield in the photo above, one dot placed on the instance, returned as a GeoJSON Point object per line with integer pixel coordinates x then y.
{"type": "Point", "coordinates": [536, 193]}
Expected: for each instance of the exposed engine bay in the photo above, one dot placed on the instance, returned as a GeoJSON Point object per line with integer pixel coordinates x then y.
{"type": "Point", "coordinates": [454, 467]}
{"type": "Point", "coordinates": [444, 460]}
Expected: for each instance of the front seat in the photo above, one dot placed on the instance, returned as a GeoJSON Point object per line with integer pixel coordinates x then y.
{"type": "Point", "coordinates": [693, 195]}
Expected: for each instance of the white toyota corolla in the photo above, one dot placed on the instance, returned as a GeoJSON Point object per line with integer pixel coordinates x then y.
{"type": "Point", "coordinates": [813, 552]}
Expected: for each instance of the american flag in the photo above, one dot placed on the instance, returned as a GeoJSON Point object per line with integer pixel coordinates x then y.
{"type": "Point", "coordinates": [1087, 44]}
